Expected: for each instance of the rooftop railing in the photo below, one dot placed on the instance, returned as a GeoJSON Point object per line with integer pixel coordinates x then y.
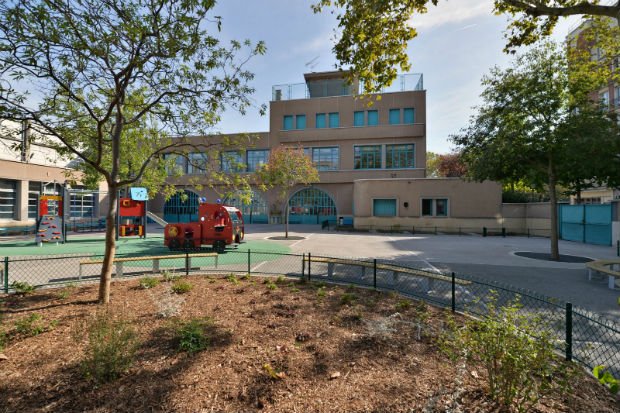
{"type": "Point", "coordinates": [290, 91]}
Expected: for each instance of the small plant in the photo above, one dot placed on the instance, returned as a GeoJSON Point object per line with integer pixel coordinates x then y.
{"type": "Point", "coordinates": [281, 279]}
{"type": "Point", "coordinates": [295, 290]}
{"type": "Point", "coordinates": [169, 276]}
{"type": "Point", "coordinates": [4, 339]}
{"type": "Point", "coordinates": [348, 299]}
{"type": "Point", "coordinates": [245, 277]}
{"type": "Point", "coordinates": [148, 282]}
{"type": "Point", "coordinates": [181, 287]}
{"type": "Point", "coordinates": [66, 292]}
{"type": "Point", "coordinates": [194, 335]}
{"type": "Point", "coordinates": [271, 372]}
{"type": "Point", "coordinates": [111, 347]}
{"type": "Point", "coordinates": [607, 379]}
{"type": "Point", "coordinates": [33, 325]}
{"type": "Point", "coordinates": [22, 287]}
{"type": "Point", "coordinates": [321, 293]}
{"type": "Point", "coordinates": [232, 279]}
{"type": "Point", "coordinates": [403, 305]}
{"type": "Point", "coordinates": [271, 286]}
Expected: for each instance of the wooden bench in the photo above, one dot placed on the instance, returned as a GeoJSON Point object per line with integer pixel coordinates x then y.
{"type": "Point", "coordinates": [155, 258]}
{"type": "Point", "coordinates": [609, 267]}
{"type": "Point", "coordinates": [396, 270]}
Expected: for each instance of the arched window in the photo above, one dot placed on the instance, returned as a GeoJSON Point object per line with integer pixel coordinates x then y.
{"type": "Point", "coordinates": [311, 206]}
{"type": "Point", "coordinates": [182, 207]}
{"type": "Point", "coordinates": [256, 212]}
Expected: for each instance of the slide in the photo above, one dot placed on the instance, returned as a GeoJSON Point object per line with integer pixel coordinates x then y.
{"type": "Point", "coordinates": [49, 230]}
{"type": "Point", "coordinates": [155, 218]}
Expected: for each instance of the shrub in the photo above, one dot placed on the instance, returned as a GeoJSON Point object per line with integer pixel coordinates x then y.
{"type": "Point", "coordinates": [65, 292]}
{"type": "Point", "coordinates": [169, 276]}
{"type": "Point", "coordinates": [321, 293]}
{"type": "Point", "coordinates": [347, 299]}
{"type": "Point", "coordinates": [3, 339]}
{"type": "Point", "coordinates": [517, 353]}
{"type": "Point", "coordinates": [607, 379]}
{"type": "Point", "coordinates": [148, 282]}
{"type": "Point", "coordinates": [22, 287]}
{"type": "Point", "coordinates": [403, 305]}
{"type": "Point", "coordinates": [111, 347]}
{"type": "Point", "coordinates": [281, 279]}
{"type": "Point", "coordinates": [33, 325]}
{"type": "Point", "coordinates": [194, 335]}
{"type": "Point", "coordinates": [272, 286]}
{"type": "Point", "coordinates": [232, 279]}
{"type": "Point", "coordinates": [181, 287]}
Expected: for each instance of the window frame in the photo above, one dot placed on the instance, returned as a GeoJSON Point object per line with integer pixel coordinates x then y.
{"type": "Point", "coordinates": [372, 115]}
{"type": "Point", "coordinates": [322, 124]}
{"type": "Point", "coordinates": [299, 118]}
{"type": "Point", "coordinates": [407, 111]}
{"type": "Point", "coordinates": [198, 168]}
{"type": "Point", "coordinates": [240, 165]}
{"type": "Point", "coordinates": [334, 116]}
{"type": "Point", "coordinates": [390, 117]}
{"type": "Point", "coordinates": [385, 199]}
{"type": "Point", "coordinates": [355, 155]}
{"type": "Point", "coordinates": [389, 159]}
{"type": "Point", "coordinates": [433, 201]}
{"type": "Point", "coordinates": [316, 162]}
{"type": "Point", "coordinates": [248, 165]}
{"type": "Point", "coordinates": [356, 116]}
{"type": "Point", "coordinates": [287, 122]}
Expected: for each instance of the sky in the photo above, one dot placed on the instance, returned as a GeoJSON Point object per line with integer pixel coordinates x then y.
{"type": "Point", "coordinates": [457, 43]}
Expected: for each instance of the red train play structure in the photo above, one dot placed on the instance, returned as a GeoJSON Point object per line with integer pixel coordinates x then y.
{"type": "Point", "coordinates": [217, 226]}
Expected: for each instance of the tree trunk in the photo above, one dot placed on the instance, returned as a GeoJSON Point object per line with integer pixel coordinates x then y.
{"type": "Point", "coordinates": [553, 202]}
{"type": "Point", "coordinates": [110, 247]}
{"type": "Point", "coordinates": [286, 220]}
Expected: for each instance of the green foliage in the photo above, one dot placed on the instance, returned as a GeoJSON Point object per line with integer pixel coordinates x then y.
{"type": "Point", "coordinates": [181, 287]}
{"type": "Point", "coordinates": [516, 352]}
{"type": "Point", "coordinates": [110, 349]}
{"type": "Point", "coordinates": [403, 305]}
{"type": "Point", "coordinates": [607, 379]}
{"type": "Point", "coordinates": [321, 292]}
{"type": "Point", "coordinates": [232, 278]}
{"type": "Point", "coordinates": [347, 299]}
{"type": "Point", "coordinates": [271, 285]}
{"type": "Point", "coordinates": [66, 292]}
{"type": "Point", "coordinates": [148, 282]}
{"type": "Point", "coordinates": [22, 288]}
{"type": "Point", "coordinates": [169, 276]}
{"type": "Point", "coordinates": [4, 338]}
{"type": "Point", "coordinates": [33, 325]}
{"type": "Point", "coordinates": [194, 335]}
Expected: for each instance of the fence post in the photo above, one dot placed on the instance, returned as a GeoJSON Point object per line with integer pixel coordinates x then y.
{"type": "Point", "coordinates": [249, 262]}
{"type": "Point", "coordinates": [484, 231]}
{"type": "Point", "coordinates": [453, 292]}
{"type": "Point", "coordinates": [309, 266]}
{"type": "Point", "coordinates": [375, 274]}
{"type": "Point", "coordinates": [569, 331]}
{"type": "Point", "coordinates": [303, 265]}
{"type": "Point", "coordinates": [618, 248]}
{"type": "Point", "coordinates": [187, 263]}
{"type": "Point", "coordinates": [6, 275]}
{"type": "Point", "coordinates": [503, 232]}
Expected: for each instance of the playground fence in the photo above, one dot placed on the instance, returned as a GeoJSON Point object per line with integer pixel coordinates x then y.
{"type": "Point", "coordinates": [579, 334]}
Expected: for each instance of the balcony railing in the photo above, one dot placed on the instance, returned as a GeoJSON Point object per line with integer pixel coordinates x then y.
{"type": "Point", "coordinates": [406, 82]}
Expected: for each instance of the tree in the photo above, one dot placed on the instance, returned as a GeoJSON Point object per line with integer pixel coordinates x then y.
{"type": "Point", "coordinates": [451, 165]}
{"type": "Point", "coordinates": [375, 33]}
{"type": "Point", "coordinates": [286, 168]}
{"type": "Point", "coordinates": [432, 163]}
{"type": "Point", "coordinates": [117, 80]}
{"type": "Point", "coordinates": [528, 131]}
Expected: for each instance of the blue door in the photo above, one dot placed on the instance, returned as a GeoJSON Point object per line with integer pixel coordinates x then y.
{"type": "Point", "coordinates": [586, 223]}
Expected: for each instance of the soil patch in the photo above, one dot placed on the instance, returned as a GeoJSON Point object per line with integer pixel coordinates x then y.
{"type": "Point", "coordinates": [278, 345]}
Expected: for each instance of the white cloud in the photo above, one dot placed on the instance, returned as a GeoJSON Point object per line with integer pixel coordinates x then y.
{"type": "Point", "coordinates": [449, 12]}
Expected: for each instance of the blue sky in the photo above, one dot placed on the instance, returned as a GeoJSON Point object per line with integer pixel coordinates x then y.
{"type": "Point", "coordinates": [458, 42]}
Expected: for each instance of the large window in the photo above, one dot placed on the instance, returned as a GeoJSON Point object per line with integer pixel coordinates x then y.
{"type": "Point", "coordinates": [384, 207]}
{"type": "Point", "coordinates": [179, 167]}
{"type": "Point", "coordinates": [434, 207]}
{"type": "Point", "coordinates": [326, 159]}
{"type": "Point", "coordinates": [287, 122]}
{"type": "Point", "coordinates": [7, 199]}
{"type": "Point", "coordinates": [82, 204]}
{"type": "Point", "coordinates": [334, 120]}
{"type": "Point", "coordinates": [320, 120]}
{"type": "Point", "coordinates": [300, 122]}
{"type": "Point", "coordinates": [367, 157]}
{"type": "Point", "coordinates": [197, 163]}
{"type": "Point", "coordinates": [232, 161]}
{"type": "Point", "coordinates": [34, 190]}
{"type": "Point", "coordinates": [256, 158]}
{"type": "Point", "coordinates": [400, 156]}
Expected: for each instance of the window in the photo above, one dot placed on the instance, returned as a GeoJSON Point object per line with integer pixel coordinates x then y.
{"type": "Point", "coordinates": [8, 198]}
{"type": "Point", "coordinates": [409, 116]}
{"type": "Point", "coordinates": [197, 163]}
{"type": "Point", "coordinates": [617, 97]}
{"type": "Point", "coordinates": [367, 157]}
{"type": "Point", "coordinates": [605, 98]}
{"type": "Point", "coordinates": [232, 161]}
{"type": "Point", "coordinates": [320, 120]}
{"type": "Point", "coordinates": [256, 158]}
{"type": "Point", "coordinates": [373, 118]}
{"type": "Point", "coordinates": [300, 122]}
{"type": "Point", "coordinates": [434, 207]}
{"type": "Point", "coordinates": [34, 190]}
{"type": "Point", "coordinates": [358, 118]}
{"type": "Point", "coordinates": [287, 122]}
{"type": "Point", "coordinates": [334, 120]}
{"type": "Point", "coordinates": [82, 204]}
{"type": "Point", "coordinates": [400, 156]}
{"type": "Point", "coordinates": [384, 207]}
{"type": "Point", "coordinates": [326, 159]}
{"type": "Point", "coordinates": [179, 166]}
{"type": "Point", "coordinates": [394, 116]}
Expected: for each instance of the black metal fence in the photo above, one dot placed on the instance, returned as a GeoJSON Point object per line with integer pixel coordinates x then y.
{"type": "Point", "coordinates": [579, 334]}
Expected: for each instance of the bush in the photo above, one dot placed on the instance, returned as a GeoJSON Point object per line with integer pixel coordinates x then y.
{"type": "Point", "coordinates": [272, 286]}
{"type": "Point", "coordinates": [517, 353]}
{"type": "Point", "coordinates": [607, 379]}
{"type": "Point", "coordinates": [347, 299]}
{"type": "Point", "coordinates": [181, 287]}
{"type": "Point", "coordinates": [194, 335]}
{"type": "Point", "coordinates": [403, 305]}
{"type": "Point", "coordinates": [65, 292]}
{"type": "Point", "coordinates": [33, 325]}
{"type": "Point", "coordinates": [22, 288]}
{"type": "Point", "coordinates": [231, 278]}
{"type": "Point", "coordinates": [148, 282]}
{"type": "Point", "coordinates": [111, 347]}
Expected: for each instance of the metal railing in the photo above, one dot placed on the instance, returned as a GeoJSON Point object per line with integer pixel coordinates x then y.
{"type": "Point", "coordinates": [579, 334]}
{"type": "Point", "coordinates": [290, 91]}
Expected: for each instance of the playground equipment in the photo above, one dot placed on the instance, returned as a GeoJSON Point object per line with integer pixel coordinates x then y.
{"type": "Point", "coordinates": [131, 213]}
{"type": "Point", "coordinates": [217, 225]}
{"type": "Point", "coordinates": [50, 220]}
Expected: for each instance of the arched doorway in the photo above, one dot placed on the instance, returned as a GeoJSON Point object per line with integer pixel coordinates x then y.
{"type": "Point", "coordinates": [311, 206]}
{"type": "Point", "coordinates": [182, 207]}
{"type": "Point", "coordinates": [255, 212]}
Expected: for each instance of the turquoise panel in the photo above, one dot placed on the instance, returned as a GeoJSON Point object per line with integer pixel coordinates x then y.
{"type": "Point", "coordinates": [300, 122]}
{"type": "Point", "coordinates": [358, 118]}
{"type": "Point", "coordinates": [394, 116]}
{"type": "Point", "coordinates": [320, 120]}
{"type": "Point", "coordinates": [287, 123]}
{"type": "Point", "coordinates": [409, 115]}
{"type": "Point", "coordinates": [373, 118]}
{"type": "Point", "coordinates": [334, 120]}
{"type": "Point", "coordinates": [384, 207]}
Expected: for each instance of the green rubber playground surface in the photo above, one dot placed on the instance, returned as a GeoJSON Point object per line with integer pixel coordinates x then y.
{"type": "Point", "coordinates": [153, 245]}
